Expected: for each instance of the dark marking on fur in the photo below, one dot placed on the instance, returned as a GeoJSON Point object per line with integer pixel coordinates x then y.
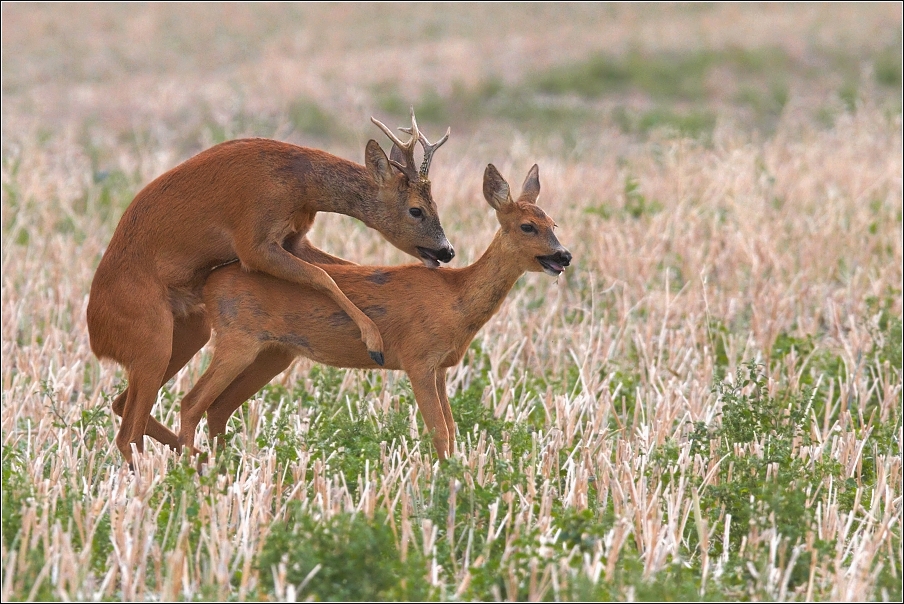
{"type": "Point", "coordinates": [256, 310]}
{"type": "Point", "coordinates": [294, 318]}
{"type": "Point", "coordinates": [374, 311]}
{"type": "Point", "coordinates": [294, 340]}
{"type": "Point", "coordinates": [378, 277]}
{"type": "Point", "coordinates": [338, 319]}
{"type": "Point", "coordinates": [228, 308]}
{"type": "Point", "coordinates": [298, 168]}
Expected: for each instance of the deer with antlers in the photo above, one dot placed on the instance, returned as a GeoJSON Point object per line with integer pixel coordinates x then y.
{"type": "Point", "coordinates": [427, 318]}
{"type": "Point", "coordinates": [250, 200]}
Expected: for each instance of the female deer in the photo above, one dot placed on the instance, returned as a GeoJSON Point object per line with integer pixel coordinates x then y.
{"type": "Point", "coordinates": [427, 317]}
{"type": "Point", "coordinates": [251, 200]}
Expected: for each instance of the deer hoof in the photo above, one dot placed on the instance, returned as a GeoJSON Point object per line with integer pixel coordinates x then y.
{"type": "Point", "coordinates": [377, 357]}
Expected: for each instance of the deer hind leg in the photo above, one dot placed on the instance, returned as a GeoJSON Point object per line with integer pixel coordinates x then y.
{"type": "Point", "coordinates": [423, 383]}
{"type": "Point", "coordinates": [145, 372]}
{"type": "Point", "coordinates": [447, 408]}
{"type": "Point", "coordinates": [268, 364]}
{"type": "Point", "coordinates": [230, 358]}
{"type": "Point", "coordinates": [190, 333]}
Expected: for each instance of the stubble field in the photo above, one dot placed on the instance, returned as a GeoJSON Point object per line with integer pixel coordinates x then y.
{"type": "Point", "coordinates": [706, 405]}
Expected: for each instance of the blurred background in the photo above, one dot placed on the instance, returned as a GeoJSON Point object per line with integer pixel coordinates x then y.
{"type": "Point", "coordinates": [138, 88]}
{"type": "Point", "coordinates": [572, 75]}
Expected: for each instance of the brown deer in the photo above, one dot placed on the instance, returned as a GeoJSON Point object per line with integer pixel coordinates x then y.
{"type": "Point", "coordinates": [251, 200]}
{"type": "Point", "coordinates": [427, 317]}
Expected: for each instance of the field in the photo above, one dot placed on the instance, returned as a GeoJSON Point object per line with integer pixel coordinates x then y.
{"type": "Point", "coordinates": [706, 405]}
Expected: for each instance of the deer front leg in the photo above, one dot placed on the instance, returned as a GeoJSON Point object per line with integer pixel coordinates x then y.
{"type": "Point", "coordinates": [423, 383]}
{"type": "Point", "coordinates": [276, 261]}
{"type": "Point", "coordinates": [447, 408]}
{"type": "Point", "coordinates": [301, 247]}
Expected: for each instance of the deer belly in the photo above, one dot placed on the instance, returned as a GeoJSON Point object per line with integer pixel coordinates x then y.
{"type": "Point", "coordinates": [337, 345]}
{"type": "Point", "coordinates": [343, 353]}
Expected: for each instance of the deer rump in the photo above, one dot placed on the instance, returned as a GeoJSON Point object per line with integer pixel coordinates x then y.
{"type": "Point", "coordinates": [255, 311]}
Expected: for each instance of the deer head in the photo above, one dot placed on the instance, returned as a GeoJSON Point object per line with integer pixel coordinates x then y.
{"type": "Point", "coordinates": [526, 231]}
{"type": "Point", "coordinates": [409, 218]}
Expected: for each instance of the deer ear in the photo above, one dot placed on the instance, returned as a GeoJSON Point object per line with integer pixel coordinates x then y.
{"type": "Point", "coordinates": [377, 165]}
{"type": "Point", "coordinates": [530, 190]}
{"type": "Point", "coordinates": [495, 189]}
{"type": "Point", "coordinates": [396, 155]}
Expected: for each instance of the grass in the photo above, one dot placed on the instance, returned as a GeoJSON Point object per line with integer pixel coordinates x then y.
{"type": "Point", "coordinates": [707, 405]}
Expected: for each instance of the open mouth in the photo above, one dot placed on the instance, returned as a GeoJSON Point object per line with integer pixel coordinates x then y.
{"type": "Point", "coordinates": [553, 264]}
{"type": "Point", "coordinates": [430, 258]}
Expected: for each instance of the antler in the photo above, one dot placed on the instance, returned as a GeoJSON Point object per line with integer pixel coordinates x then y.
{"type": "Point", "coordinates": [406, 149]}
{"type": "Point", "coordinates": [428, 148]}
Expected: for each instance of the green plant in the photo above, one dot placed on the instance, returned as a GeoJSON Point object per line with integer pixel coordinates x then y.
{"type": "Point", "coordinates": [346, 558]}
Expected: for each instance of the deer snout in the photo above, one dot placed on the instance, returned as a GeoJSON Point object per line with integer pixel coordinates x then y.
{"type": "Point", "coordinates": [554, 264]}
{"type": "Point", "coordinates": [432, 258]}
{"type": "Point", "coordinates": [445, 254]}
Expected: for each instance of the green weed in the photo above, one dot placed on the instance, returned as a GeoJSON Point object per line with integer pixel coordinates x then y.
{"type": "Point", "coordinates": [347, 558]}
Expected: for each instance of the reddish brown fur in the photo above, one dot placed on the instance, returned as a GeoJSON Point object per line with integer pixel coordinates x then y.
{"type": "Point", "coordinates": [427, 318]}
{"type": "Point", "coordinates": [252, 200]}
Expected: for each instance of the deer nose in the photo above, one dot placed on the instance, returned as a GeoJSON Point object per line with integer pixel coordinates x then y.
{"type": "Point", "coordinates": [445, 254]}
{"type": "Point", "coordinates": [565, 257]}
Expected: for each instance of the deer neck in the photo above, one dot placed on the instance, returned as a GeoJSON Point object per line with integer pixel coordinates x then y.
{"type": "Point", "coordinates": [487, 282]}
{"type": "Point", "coordinates": [346, 189]}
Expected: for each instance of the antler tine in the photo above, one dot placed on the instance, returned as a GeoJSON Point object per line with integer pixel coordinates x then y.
{"type": "Point", "coordinates": [415, 131]}
{"type": "Point", "coordinates": [389, 133]}
{"type": "Point", "coordinates": [428, 148]}
{"type": "Point", "coordinates": [407, 149]}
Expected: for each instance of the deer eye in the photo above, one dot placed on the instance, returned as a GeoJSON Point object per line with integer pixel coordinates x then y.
{"type": "Point", "coordinates": [528, 228]}
{"type": "Point", "coordinates": [416, 212]}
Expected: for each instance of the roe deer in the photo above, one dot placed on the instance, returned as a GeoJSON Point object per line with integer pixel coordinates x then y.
{"type": "Point", "coordinates": [427, 317]}
{"type": "Point", "coordinates": [251, 200]}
